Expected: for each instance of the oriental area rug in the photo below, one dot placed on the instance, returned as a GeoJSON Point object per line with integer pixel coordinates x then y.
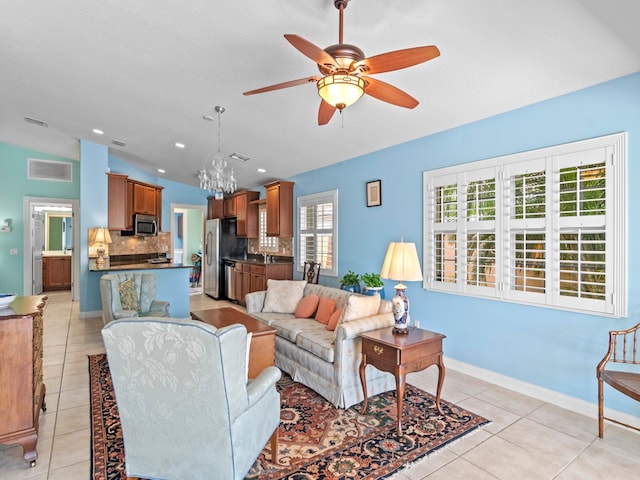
{"type": "Point", "coordinates": [317, 440]}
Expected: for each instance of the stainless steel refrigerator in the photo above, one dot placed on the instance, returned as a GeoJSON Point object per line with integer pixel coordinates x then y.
{"type": "Point", "coordinates": [221, 242]}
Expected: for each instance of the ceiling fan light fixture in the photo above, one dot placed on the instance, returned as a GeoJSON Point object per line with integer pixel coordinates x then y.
{"type": "Point", "coordinates": [341, 90]}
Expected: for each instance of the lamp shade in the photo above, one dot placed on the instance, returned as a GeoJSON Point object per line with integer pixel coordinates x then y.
{"type": "Point", "coordinates": [101, 235]}
{"type": "Point", "coordinates": [340, 90]}
{"type": "Point", "coordinates": [401, 262]}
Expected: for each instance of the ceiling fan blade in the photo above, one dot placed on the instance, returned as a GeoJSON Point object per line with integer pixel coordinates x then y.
{"type": "Point", "coordinates": [312, 51]}
{"type": "Point", "coordinates": [278, 86]}
{"type": "Point", "coordinates": [396, 60]}
{"type": "Point", "coordinates": [325, 112]}
{"type": "Point", "coordinates": [388, 93]}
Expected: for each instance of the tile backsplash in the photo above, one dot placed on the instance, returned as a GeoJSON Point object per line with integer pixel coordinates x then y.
{"type": "Point", "coordinates": [130, 245]}
{"type": "Point", "coordinates": [285, 247]}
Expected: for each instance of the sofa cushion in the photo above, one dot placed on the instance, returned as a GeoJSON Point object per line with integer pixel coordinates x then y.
{"type": "Point", "coordinates": [290, 327]}
{"type": "Point", "coordinates": [326, 307]}
{"type": "Point", "coordinates": [318, 341]}
{"type": "Point", "coordinates": [128, 295]}
{"type": "Point", "coordinates": [283, 296]}
{"type": "Point", "coordinates": [307, 306]}
{"type": "Point", "coordinates": [359, 306]}
{"type": "Point", "coordinates": [340, 296]}
{"type": "Point", "coordinates": [335, 318]}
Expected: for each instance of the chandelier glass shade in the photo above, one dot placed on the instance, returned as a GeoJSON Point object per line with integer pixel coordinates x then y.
{"type": "Point", "coordinates": [341, 90]}
{"type": "Point", "coordinates": [218, 179]}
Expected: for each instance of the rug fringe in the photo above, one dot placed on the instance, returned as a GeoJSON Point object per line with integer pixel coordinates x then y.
{"type": "Point", "coordinates": [406, 468]}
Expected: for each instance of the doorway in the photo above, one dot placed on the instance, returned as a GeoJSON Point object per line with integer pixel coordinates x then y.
{"type": "Point", "coordinates": [50, 230]}
{"type": "Point", "coordinates": [187, 237]}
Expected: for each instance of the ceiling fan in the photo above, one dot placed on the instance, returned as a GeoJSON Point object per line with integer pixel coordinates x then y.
{"type": "Point", "coordinates": [346, 71]}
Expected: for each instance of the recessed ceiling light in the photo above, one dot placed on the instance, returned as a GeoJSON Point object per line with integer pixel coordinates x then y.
{"type": "Point", "coordinates": [262, 170]}
{"type": "Point", "coordinates": [97, 131]}
{"type": "Point", "coordinates": [162, 170]}
{"type": "Point", "coordinates": [179, 145]}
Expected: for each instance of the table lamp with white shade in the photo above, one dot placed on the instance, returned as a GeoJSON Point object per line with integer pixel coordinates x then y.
{"type": "Point", "coordinates": [401, 263]}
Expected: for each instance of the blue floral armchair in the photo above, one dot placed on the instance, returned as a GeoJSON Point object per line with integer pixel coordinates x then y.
{"type": "Point", "coordinates": [186, 408]}
{"type": "Point", "coordinates": [141, 296]}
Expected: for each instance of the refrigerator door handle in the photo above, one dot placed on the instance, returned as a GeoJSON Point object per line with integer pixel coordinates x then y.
{"type": "Point", "coordinates": [207, 249]}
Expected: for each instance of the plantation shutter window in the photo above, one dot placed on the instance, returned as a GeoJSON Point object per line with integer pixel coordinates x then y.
{"type": "Point", "coordinates": [317, 231]}
{"type": "Point", "coordinates": [545, 227]}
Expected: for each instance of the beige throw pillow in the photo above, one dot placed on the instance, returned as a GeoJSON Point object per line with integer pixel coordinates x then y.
{"type": "Point", "coordinates": [361, 306]}
{"type": "Point", "coordinates": [283, 296]}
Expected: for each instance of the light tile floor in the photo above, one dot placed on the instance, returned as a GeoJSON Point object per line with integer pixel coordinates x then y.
{"type": "Point", "coordinates": [527, 439]}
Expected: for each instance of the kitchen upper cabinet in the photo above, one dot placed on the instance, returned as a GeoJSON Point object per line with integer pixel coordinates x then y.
{"type": "Point", "coordinates": [279, 209]}
{"type": "Point", "coordinates": [215, 208]}
{"type": "Point", "coordinates": [145, 199]}
{"type": "Point", "coordinates": [128, 197]}
{"type": "Point", "coordinates": [247, 214]}
{"type": "Point", "coordinates": [229, 206]}
{"type": "Point", "coordinates": [120, 215]}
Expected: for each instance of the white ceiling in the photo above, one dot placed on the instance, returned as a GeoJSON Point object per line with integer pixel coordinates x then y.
{"type": "Point", "coordinates": [146, 71]}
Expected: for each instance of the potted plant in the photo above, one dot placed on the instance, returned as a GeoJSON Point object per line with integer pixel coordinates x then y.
{"type": "Point", "coordinates": [373, 284]}
{"type": "Point", "coordinates": [350, 281]}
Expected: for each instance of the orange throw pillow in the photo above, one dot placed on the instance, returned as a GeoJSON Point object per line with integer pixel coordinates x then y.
{"type": "Point", "coordinates": [325, 308]}
{"type": "Point", "coordinates": [307, 306]}
{"type": "Point", "coordinates": [333, 321]}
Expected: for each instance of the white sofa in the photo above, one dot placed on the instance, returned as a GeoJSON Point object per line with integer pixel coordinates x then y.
{"type": "Point", "coordinates": [326, 361]}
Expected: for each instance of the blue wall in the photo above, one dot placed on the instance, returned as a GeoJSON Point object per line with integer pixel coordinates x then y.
{"type": "Point", "coordinates": [14, 186]}
{"type": "Point", "coordinates": [549, 348]}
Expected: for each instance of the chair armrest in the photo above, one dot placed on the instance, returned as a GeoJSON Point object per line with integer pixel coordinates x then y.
{"type": "Point", "coordinates": [124, 314]}
{"type": "Point", "coordinates": [354, 328]}
{"type": "Point", "coordinates": [257, 387]}
{"type": "Point", "coordinates": [255, 301]}
{"type": "Point", "coordinates": [159, 306]}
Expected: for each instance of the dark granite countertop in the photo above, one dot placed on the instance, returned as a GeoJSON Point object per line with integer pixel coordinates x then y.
{"type": "Point", "coordinates": [139, 266]}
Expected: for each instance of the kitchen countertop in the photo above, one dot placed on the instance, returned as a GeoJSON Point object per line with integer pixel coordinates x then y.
{"type": "Point", "coordinates": [139, 266]}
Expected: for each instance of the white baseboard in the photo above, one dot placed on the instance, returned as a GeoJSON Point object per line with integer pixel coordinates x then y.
{"type": "Point", "coordinates": [550, 396]}
{"type": "Point", "coordinates": [97, 313]}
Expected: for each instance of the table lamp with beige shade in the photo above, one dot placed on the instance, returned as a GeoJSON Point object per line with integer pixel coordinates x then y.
{"type": "Point", "coordinates": [100, 238]}
{"type": "Point", "coordinates": [401, 263]}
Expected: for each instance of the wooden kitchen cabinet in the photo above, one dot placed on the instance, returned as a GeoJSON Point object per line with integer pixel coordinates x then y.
{"type": "Point", "coordinates": [229, 206]}
{"type": "Point", "coordinates": [247, 214]}
{"type": "Point", "coordinates": [22, 389]}
{"type": "Point", "coordinates": [119, 207]}
{"type": "Point", "coordinates": [258, 278]}
{"type": "Point", "coordinates": [279, 209]}
{"type": "Point", "coordinates": [56, 272]}
{"type": "Point", "coordinates": [215, 208]}
{"type": "Point", "coordinates": [145, 199]}
{"type": "Point", "coordinates": [126, 197]}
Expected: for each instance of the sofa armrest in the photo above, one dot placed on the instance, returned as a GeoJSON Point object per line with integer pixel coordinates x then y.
{"type": "Point", "coordinates": [255, 301]}
{"type": "Point", "coordinates": [159, 306]}
{"type": "Point", "coordinates": [354, 328]}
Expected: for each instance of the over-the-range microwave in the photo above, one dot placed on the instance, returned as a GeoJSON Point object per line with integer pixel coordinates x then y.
{"type": "Point", "coordinates": [145, 225]}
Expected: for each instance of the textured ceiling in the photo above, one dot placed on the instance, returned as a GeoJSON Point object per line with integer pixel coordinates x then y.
{"type": "Point", "coordinates": [146, 71]}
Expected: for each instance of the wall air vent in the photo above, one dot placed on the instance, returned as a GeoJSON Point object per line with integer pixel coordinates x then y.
{"type": "Point", "coordinates": [38, 169]}
{"type": "Point", "coordinates": [35, 121]}
{"type": "Point", "coordinates": [119, 143]}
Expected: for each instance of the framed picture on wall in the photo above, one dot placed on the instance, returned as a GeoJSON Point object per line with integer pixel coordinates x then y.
{"type": "Point", "coordinates": [374, 193]}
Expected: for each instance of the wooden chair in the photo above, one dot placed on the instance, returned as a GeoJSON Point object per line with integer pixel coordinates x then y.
{"type": "Point", "coordinates": [311, 272]}
{"type": "Point", "coordinates": [623, 350]}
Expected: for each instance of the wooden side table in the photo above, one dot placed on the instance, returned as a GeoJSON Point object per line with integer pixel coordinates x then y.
{"type": "Point", "coordinates": [401, 354]}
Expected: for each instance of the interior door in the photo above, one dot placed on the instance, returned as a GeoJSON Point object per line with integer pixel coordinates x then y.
{"type": "Point", "coordinates": [37, 241]}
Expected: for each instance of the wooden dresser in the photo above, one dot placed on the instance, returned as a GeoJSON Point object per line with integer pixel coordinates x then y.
{"type": "Point", "coordinates": [21, 387]}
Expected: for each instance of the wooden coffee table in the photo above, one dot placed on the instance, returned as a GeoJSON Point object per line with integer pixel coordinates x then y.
{"type": "Point", "coordinates": [401, 354]}
{"type": "Point", "coordinates": [262, 352]}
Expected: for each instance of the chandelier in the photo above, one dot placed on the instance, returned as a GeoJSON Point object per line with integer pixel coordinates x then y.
{"type": "Point", "coordinates": [218, 179]}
